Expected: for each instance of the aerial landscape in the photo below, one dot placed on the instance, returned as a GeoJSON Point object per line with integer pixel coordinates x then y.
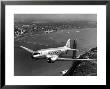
{"type": "Point", "coordinates": [42, 31]}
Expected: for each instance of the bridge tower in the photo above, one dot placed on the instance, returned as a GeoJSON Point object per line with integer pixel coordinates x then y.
{"type": "Point", "coordinates": [74, 47]}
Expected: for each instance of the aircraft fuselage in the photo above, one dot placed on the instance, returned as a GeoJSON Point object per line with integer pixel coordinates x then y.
{"type": "Point", "coordinates": [50, 51]}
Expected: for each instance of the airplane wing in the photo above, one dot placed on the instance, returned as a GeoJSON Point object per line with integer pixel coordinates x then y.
{"type": "Point", "coordinates": [27, 49]}
{"type": "Point", "coordinates": [56, 58]}
{"type": "Point", "coordinates": [70, 59]}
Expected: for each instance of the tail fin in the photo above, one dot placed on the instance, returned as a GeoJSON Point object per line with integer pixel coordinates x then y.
{"type": "Point", "coordinates": [68, 43]}
{"type": "Point", "coordinates": [27, 49]}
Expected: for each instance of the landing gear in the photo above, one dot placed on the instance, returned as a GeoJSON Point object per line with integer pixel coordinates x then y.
{"type": "Point", "coordinates": [49, 60]}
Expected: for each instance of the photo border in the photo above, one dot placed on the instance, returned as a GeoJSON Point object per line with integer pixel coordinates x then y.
{"type": "Point", "coordinates": [4, 3]}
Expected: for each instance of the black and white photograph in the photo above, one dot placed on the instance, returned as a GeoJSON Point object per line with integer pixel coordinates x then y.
{"type": "Point", "coordinates": [55, 44]}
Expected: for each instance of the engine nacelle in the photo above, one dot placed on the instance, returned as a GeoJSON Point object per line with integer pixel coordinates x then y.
{"type": "Point", "coordinates": [35, 59]}
{"type": "Point", "coordinates": [49, 60]}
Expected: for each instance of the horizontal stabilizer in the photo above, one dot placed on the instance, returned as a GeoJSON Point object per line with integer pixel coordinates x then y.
{"type": "Point", "coordinates": [74, 49]}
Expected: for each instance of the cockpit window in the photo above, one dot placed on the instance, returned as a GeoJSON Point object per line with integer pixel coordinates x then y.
{"type": "Point", "coordinates": [36, 53]}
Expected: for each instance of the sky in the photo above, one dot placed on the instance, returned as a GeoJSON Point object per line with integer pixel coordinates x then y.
{"type": "Point", "coordinates": [54, 17]}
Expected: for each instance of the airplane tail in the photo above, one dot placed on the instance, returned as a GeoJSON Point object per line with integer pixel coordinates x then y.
{"type": "Point", "coordinates": [27, 49]}
{"type": "Point", "coordinates": [68, 43]}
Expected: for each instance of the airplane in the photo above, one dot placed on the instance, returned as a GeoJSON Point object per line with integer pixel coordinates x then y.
{"type": "Point", "coordinates": [52, 54]}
